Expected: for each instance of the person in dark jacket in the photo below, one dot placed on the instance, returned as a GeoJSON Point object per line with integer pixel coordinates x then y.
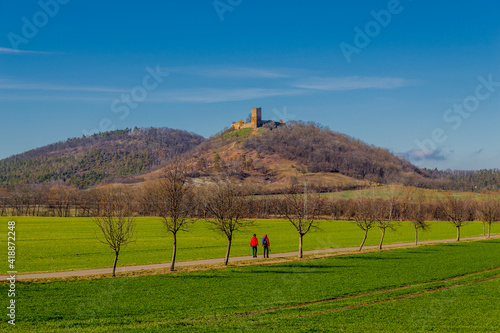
{"type": "Point", "coordinates": [254, 243]}
{"type": "Point", "coordinates": [266, 244]}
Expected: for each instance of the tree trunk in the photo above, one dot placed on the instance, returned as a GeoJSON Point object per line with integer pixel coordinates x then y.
{"type": "Point", "coordinates": [381, 239]}
{"type": "Point", "coordinates": [174, 251]}
{"type": "Point", "coordinates": [484, 228]}
{"type": "Point", "coordinates": [364, 239]}
{"type": "Point", "coordinates": [416, 236]}
{"type": "Point", "coordinates": [489, 230]}
{"type": "Point", "coordinates": [228, 250]}
{"type": "Point", "coordinates": [458, 233]}
{"type": "Point", "coordinates": [114, 265]}
{"type": "Point", "coordinates": [300, 245]}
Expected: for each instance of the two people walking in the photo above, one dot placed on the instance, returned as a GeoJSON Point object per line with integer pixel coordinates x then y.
{"type": "Point", "coordinates": [254, 243]}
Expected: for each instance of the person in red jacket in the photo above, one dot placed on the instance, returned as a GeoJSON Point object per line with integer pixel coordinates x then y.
{"type": "Point", "coordinates": [266, 244]}
{"type": "Point", "coordinates": [254, 243]}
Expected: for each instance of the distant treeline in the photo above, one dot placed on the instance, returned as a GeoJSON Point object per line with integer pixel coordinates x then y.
{"type": "Point", "coordinates": [468, 180]}
{"type": "Point", "coordinates": [62, 201]}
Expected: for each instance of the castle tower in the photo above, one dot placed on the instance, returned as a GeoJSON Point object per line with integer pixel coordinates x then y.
{"type": "Point", "coordinates": [256, 118]}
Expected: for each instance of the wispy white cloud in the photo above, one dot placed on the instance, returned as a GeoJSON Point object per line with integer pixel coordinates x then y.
{"type": "Point", "coordinates": [41, 91]}
{"type": "Point", "coordinates": [66, 97]}
{"type": "Point", "coordinates": [197, 96]}
{"type": "Point", "coordinates": [205, 95]}
{"type": "Point", "coordinates": [424, 154]}
{"type": "Point", "coordinates": [352, 83]}
{"type": "Point", "coordinates": [14, 51]}
{"type": "Point", "coordinates": [23, 90]}
{"type": "Point", "coordinates": [5, 85]}
{"type": "Point", "coordinates": [235, 72]}
{"type": "Point", "coordinates": [245, 72]}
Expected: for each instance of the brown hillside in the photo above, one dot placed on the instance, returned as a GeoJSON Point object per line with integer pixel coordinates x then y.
{"type": "Point", "coordinates": [226, 155]}
{"type": "Point", "coordinates": [271, 157]}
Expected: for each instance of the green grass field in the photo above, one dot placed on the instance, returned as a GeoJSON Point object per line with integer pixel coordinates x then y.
{"type": "Point", "coordinates": [440, 288]}
{"type": "Point", "coordinates": [57, 244]}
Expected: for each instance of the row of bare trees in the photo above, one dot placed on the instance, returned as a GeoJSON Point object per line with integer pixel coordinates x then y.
{"type": "Point", "coordinates": [172, 198]}
{"type": "Point", "coordinates": [228, 206]}
{"type": "Point", "coordinates": [386, 214]}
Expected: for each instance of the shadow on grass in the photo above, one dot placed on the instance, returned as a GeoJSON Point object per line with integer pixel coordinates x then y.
{"type": "Point", "coordinates": [297, 270]}
{"type": "Point", "coordinates": [421, 251]}
{"type": "Point", "coordinates": [453, 244]}
{"type": "Point", "coordinates": [309, 266]}
{"type": "Point", "coordinates": [489, 241]}
{"type": "Point", "coordinates": [370, 257]}
{"type": "Point", "coordinates": [190, 276]}
{"type": "Point", "coordinates": [294, 269]}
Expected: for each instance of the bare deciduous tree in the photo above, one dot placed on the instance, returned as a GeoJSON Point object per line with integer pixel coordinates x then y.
{"type": "Point", "coordinates": [114, 220]}
{"type": "Point", "coordinates": [59, 199]}
{"type": "Point", "coordinates": [20, 198]}
{"type": "Point", "coordinates": [4, 201]}
{"type": "Point", "coordinates": [365, 215]}
{"type": "Point", "coordinates": [39, 197]}
{"type": "Point", "coordinates": [489, 211]}
{"type": "Point", "coordinates": [415, 211]}
{"type": "Point", "coordinates": [302, 210]}
{"type": "Point", "coordinates": [172, 197]}
{"type": "Point", "coordinates": [385, 212]}
{"type": "Point", "coordinates": [226, 206]}
{"type": "Point", "coordinates": [383, 224]}
{"type": "Point", "coordinates": [456, 210]}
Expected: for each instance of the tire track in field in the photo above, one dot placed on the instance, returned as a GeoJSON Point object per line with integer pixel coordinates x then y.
{"type": "Point", "coordinates": [401, 297]}
{"type": "Point", "coordinates": [375, 293]}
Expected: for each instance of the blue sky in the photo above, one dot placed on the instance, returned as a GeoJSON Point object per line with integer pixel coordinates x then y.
{"type": "Point", "coordinates": [418, 77]}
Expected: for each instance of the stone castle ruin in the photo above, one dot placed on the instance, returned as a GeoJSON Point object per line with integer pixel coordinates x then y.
{"type": "Point", "coordinates": [255, 121]}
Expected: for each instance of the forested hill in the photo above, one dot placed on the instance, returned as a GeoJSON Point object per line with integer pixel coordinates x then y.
{"type": "Point", "coordinates": [269, 156]}
{"type": "Point", "coordinates": [83, 162]}
{"type": "Point", "coordinates": [322, 150]}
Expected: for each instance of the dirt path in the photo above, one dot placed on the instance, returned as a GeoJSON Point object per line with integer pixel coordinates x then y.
{"type": "Point", "coordinates": [100, 271]}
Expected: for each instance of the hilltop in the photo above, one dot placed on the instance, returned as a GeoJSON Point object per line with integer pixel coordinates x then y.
{"type": "Point", "coordinates": [272, 156]}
